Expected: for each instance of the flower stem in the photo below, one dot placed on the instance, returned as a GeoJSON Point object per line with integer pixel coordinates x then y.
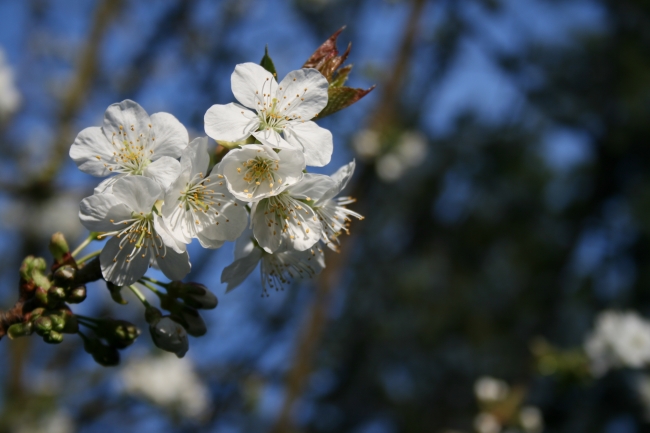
{"type": "Point", "coordinates": [88, 257]}
{"type": "Point", "coordinates": [139, 295]}
{"type": "Point", "coordinates": [91, 237]}
{"type": "Point", "coordinates": [154, 281]}
{"type": "Point", "coordinates": [152, 288]}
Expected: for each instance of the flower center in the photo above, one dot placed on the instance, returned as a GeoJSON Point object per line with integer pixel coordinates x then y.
{"type": "Point", "coordinates": [271, 117]}
{"type": "Point", "coordinates": [138, 233]}
{"type": "Point", "coordinates": [132, 156]}
{"type": "Point", "coordinates": [258, 170]}
{"type": "Point", "coordinates": [197, 196]}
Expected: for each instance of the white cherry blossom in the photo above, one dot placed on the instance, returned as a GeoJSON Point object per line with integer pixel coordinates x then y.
{"type": "Point", "coordinates": [278, 270]}
{"type": "Point", "coordinates": [256, 171]}
{"type": "Point", "coordinates": [130, 142]}
{"type": "Point", "coordinates": [331, 211]}
{"type": "Point", "coordinates": [140, 236]}
{"type": "Point", "coordinates": [287, 219]}
{"type": "Point", "coordinates": [200, 206]}
{"type": "Point", "coordinates": [281, 115]}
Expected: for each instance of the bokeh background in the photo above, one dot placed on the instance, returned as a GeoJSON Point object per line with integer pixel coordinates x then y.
{"type": "Point", "coordinates": [503, 167]}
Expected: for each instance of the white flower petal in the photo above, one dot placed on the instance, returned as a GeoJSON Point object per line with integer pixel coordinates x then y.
{"type": "Point", "coordinates": [92, 152]}
{"type": "Point", "coordinates": [174, 265]}
{"type": "Point", "coordinates": [316, 142]}
{"type": "Point", "coordinates": [169, 136]}
{"type": "Point", "coordinates": [127, 121]}
{"type": "Point", "coordinates": [250, 82]}
{"type": "Point", "coordinates": [230, 122]}
{"type": "Point", "coordinates": [271, 138]}
{"type": "Point", "coordinates": [96, 211]}
{"type": "Point", "coordinates": [118, 267]}
{"type": "Point", "coordinates": [235, 273]}
{"type": "Point", "coordinates": [312, 186]}
{"type": "Point", "coordinates": [167, 236]}
{"type": "Point", "coordinates": [341, 179]}
{"type": "Point", "coordinates": [139, 193]}
{"type": "Point", "coordinates": [164, 171]}
{"type": "Point", "coordinates": [206, 242]}
{"type": "Point", "coordinates": [197, 156]}
{"type": "Point", "coordinates": [303, 93]}
{"type": "Point", "coordinates": [106, 185]}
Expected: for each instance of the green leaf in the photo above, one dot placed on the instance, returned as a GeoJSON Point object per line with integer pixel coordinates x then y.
{"type": "Point", "coordinates": [267, 63]}
{"type": "Point", "coordinates": [342, 97]}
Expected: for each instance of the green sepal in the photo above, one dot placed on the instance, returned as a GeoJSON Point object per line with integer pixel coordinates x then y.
{"type": "Point", "coordinates": [340, 98]}
{"type": "Point", "coordinates": [267, 63]}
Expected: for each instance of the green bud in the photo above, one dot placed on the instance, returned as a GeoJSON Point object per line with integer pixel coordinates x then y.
{"type": "Point", "coordinates": [76, 295]}
{"type": "Point", "coordinates": [36, 312]}
{"type": "Point", "coordinates": [41, 295]}
{"type": "Point", "coordinates": [19, 330]}
{"type": "Point", "coordinates": [26, 268]}
{"type": "Point", "coordinates": [41, 280]}
{"type": "Point", "coordinates": [56, 293]}
{"type": "Point", "coordinates": [121, 334]}
{"type": "Point", "coordinates": [53, 337]}
{"type": "Point", "coordinates": [169, 335]}
{"type": "Point", "coordinates": [40, 265]}
{"type": "Point", "coordinates": [42, 325]}
{"type": "Point", "coordinates": [58, 322]}
{"type": "Point", "coordinates": [59, 248]}
{"type": "Point", "coordinates": [64, 276]}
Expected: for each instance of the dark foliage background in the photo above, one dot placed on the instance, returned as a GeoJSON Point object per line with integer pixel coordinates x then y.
{"type": "Point", "coordinates": [527, 214]}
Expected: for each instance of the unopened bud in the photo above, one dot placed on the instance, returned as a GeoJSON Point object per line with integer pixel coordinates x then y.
{"type": "Point", "coordinates": [192, 321]}
{"type": "Point", "coordinates": [107, 356]}
{"type": "Point", "coordinates": [152, 315]}
{"type": "Point", "coordinates": [58, 322]}
{"type": "Point", "coordinates": [194, 294]}
{"type": "Point", "coordinates": [26, 268]}
{"type": "Point", "coordinates": [56, 293]}
{"type": "Point", "coordinates": [64, 276]}
{"type": "Point", "coordinates": [170, 336]}
{"type": "Point", "coordinates": [76, 295]}
{"type": "Point", "coordinates": [36, 313]}
{"type": "Point", "coordinates": [41, 295]}
{"type": "Point", "coordinates": [59, 248]}
{"type": "Point", "coordinates": [42, 325]}
{"type": "Point", "coordinates": [118, 333]}
{"type": "Point", "coordinates": [41, 280]}
{"type": "Point", "coordinates": [19, 330]}
{"type": "Point", "coordinates": [53, 337]}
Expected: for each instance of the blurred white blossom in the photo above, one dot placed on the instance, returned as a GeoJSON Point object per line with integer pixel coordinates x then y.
{"type": "Point", "coordinates": [9, 96]}
{"type": "Point", "coordinates": [390, 168]}
{"type": "Point", "coordinates": [366, 144]}
{"type": "Point", "coordinates": [531, 419]}
{"type": "Point", "coordinates": [486, 423]}
{"type": "Point", "coordinates": [51, 422]}
{"type": "Point", "coordinates": [168, 382]}
{"type": "Point", "coordinates": [489, 389]}
{"type": "Point", "coordinates": [619, 339]}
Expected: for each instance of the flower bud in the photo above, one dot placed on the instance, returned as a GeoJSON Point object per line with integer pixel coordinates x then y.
{"type": "Point", "coordinates": [191, 321]}
{"type": "Point", "coordinates": [36, 313]}
{"type": "Point", "coordinates": [26, 268]}
{"type": "Point", "coordinates": [53, 337]}
{"type": "Point", "coordinates": [118, 333]}
{"type": "Point", "coordinates": [41, 295]}
{"type": "Point", "coordinates": [194, 294]}
{"type": "Point", "coordinates": [170, 336]}
{"type": "Point", "coordinates": [58, 322]}
{"type": "Point", "coordinates": [56, 293]}
{"type": "Point", "coordinates": [41, 280]}
{"type": "Point", "coordinates": [64, 276]}
{"type": "Point", "coordinates": [42, 325]}
{"type": "Point", "coordinates": [152, 314]}
{"type": "Point", "coordinates": [59, 248]}
{"type": "Point", "coordinates": [19, 330]}
{"type": "Point", "coordinates": [107, 356]}
{"type": "Point", "coordinates": [76, 295]}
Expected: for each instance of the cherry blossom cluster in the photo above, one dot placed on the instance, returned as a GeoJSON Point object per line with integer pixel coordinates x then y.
{"type": "Point", "coordinates": [161, 191]}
